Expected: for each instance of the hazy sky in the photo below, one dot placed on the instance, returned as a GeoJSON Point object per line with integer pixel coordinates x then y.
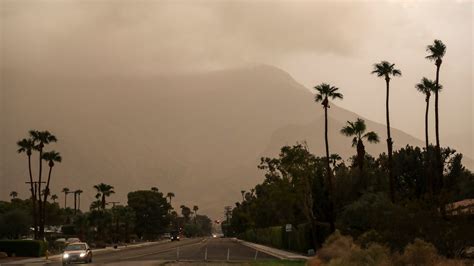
{"type": "Point", "coordinates": [315, 41]}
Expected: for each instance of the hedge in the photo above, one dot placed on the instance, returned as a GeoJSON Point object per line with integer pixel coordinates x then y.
{"type": "Point", "coordinates": [23, 248]}
{"type": "Point", "coordinates": [299, 239]}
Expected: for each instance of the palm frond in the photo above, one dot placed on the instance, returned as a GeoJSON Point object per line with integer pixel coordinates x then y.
{"type": "Point", "coordinates": [372, 137]}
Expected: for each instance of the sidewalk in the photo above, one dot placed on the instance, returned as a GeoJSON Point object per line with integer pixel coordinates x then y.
{"type": "Point", "coordinates": [281, 254]}
{"type": "Point", "coordinates": [95, 251]}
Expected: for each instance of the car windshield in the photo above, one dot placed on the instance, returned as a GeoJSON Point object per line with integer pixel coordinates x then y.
{"type": "Point", "coordinates": [75, 247]}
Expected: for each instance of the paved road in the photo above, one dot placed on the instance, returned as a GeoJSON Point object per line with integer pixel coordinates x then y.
{"type": "Point", "coordinates": [189, 250]}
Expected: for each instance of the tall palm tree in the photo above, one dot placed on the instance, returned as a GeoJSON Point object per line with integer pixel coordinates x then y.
{"type": "Point", "coordinates": [436, 51]}
{"type": "Point", "coordinates": [51, 157]}
{"type": "Point", "coordinates": [13, 194]}
{"type": "Point", "coordinates": [426, 87]}
{"type": "Point", "coordinates": [65, 191]}
{"type": "Point", "coordinates": [54, 197]}
{"type": "Point", "coordinates": [357, 131]}
{"type": "Point", "coordinates": [170, 195]}
{"type": "Point", "coordinates": [104, 190]}
{"type": "Point", "coordinates": [78, 193]}
{"type": "Point", "coordinates": [385, 69]}
{"type": "Point", "coordinates": [42, 138]}
{"type": "Point", "coordinates": [324, 92]}
{"type": "Point", "coordinates": [195, 209]}
{"type": "Point", "coordinates": [26, 146]}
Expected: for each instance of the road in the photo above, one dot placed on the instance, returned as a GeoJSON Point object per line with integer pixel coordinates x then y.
{"type": "Point", "coordinates": [188, 250]}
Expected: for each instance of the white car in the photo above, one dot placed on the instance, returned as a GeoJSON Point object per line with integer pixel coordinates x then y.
{"type": "Point", "coordinates": [77, 252]}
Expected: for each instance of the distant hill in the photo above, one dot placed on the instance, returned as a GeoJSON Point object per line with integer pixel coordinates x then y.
{"type": "Point", "coordinates": [198, 135]}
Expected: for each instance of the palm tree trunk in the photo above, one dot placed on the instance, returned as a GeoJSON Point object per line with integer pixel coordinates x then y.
{"type": "Point", "coordinates": [439, 164]}
{"type": "Point", "coordinates": [103, 201]}
{"type": "Point", "coordinates": [429, 177]}
{"type": "Point", "coordinates": [46, 192]}
{"type": "Point", "coordinates": [389, 144]}
{"type": "Point", "coordinates": [65, 199]}
{"type": "Point", "coordinates": [33, 200]}
{"type": "Point", "coordinates": [329, 172]}
{"type": "Point", "coordinates": [41, 204]}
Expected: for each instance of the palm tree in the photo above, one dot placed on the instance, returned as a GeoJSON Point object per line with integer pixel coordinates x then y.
{"type": "Point", "coordinates": [195, 209]}
{"type": "Point", "coordinates": [426, 87]}
{"type": "Point", "coordinates": [170, 195]}
{"type": "Point", "coordinates": [334, 158]}
{"type": "Point", "coordinates": [436, 51]}
{"type": "Point", "coordinates": [13, 194]}
{"type": "Point", "coordinates": [42, 138]}
{"type": "Point", "coordinates": [78, 193]}
{"type": "Point", "coordinates": [357, 131]}
{"type": "Point", "coordinates": [324, 93]}
{"type": "Point", "coordinates": [243, 195]}
{"type": "Point", "coordinates": [51, 157]}
{"type": "Point", "coordinates": [386, 69]}
{"type": "Point", "coordinates": [104, 190]}
{"type": "Point", "coordinates": [65, 191]}
{"type": "Point", "coordinates": [26, 146]}
{"type": "Point", "coordinates": [54, 197]}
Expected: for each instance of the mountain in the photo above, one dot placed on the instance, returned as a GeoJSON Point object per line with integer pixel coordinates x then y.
{"type": "Point", "coordinates": [198, 135]}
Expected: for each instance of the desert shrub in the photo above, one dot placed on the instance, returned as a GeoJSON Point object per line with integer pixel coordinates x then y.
{"type": "Point", "coordinates": [336, 246]}
{"type": "Point", "coordinates": [369, 237]}
{"type": "Point", "coordinates": [419, 253]}
{"type": "Point", "coordinates": [374, 255]}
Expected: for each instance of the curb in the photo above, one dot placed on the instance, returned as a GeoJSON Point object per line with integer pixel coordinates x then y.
{"type": "Point", "coordinates": [281, 254]}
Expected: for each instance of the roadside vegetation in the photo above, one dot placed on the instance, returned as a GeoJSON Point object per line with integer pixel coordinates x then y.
{"type": "Point", "coordinates": [395, 200]}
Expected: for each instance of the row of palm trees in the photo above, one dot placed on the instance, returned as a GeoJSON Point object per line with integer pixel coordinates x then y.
{"type": "Point", "coordinates": [357, 129]}
{"type": "Point", "coordinates": [36, 142]}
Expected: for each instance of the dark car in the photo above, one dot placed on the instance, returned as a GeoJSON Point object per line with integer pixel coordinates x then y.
{"type": "Point", "coordinates": [77, 252]}
{"type": "Point", "coordinates": [174, 236]}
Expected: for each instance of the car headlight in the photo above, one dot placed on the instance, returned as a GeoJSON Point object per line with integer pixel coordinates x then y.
{"type": "Point", "coordinates": [66, 255]}
{"type": "Point", "coordinates": [82, 254]}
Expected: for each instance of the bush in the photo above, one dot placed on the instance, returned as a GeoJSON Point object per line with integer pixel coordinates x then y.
{"type": "Point", "coordinates": [419, 253]}
{"type": "Point", "coordinates": [24, 248]}
{"type": "Point", "coordinates": [336, 246]}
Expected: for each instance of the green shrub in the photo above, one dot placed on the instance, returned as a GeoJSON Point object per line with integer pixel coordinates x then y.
{"type": "Point", "coordinates": [24, 248]}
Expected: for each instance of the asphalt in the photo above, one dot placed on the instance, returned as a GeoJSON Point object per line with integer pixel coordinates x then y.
{"type": "Point", "coordinates": [196, 250]}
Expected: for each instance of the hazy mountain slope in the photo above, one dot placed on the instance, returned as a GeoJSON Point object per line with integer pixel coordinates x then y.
{"type": "Point", "coordinates": [199, 136]}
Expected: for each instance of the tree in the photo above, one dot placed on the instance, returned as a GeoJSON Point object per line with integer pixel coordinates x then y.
{"type": "Point", "coordinates": [104, 190]}
{"type": "Point", "coordinates": [42, 138]}
{"type": "Point", "coordinates": [51, 157]}
{"type": "Point", "coordinates": [334, 158]}
{"type": "Point", "coordinates": [436, 51]}
{"type": "Point", "coordinates": [26, 146]}
{"type": "Point", "coordinates": [170, 195]}
{"type": "Point", "coordinates": [13, 194]}
{"type": "Point", "coordinates": [243, 194]}
{"type": "Point", "coordinates": [324, 93]}
{"type": "Point", "coordinates": [426, 87]}
{"type": "Point", "coordinates": [54, 197]}
{"type": "Point", "coordinates": [186, 212]}
{"type": "Point", "coordinates": [78, 193]}
{"type": "Point", "coordinates": [386, 69]}
{"type": "Point", "coordinates": [65, 191]}
{"type": "Point", "coordinates": [195, 209]}
{"type": "Point", "coordinates": [357, 131]}
{"type": "Point", "coordinates": [151, 212]}
{"type": "Point", "coordinates": [154, 189]}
